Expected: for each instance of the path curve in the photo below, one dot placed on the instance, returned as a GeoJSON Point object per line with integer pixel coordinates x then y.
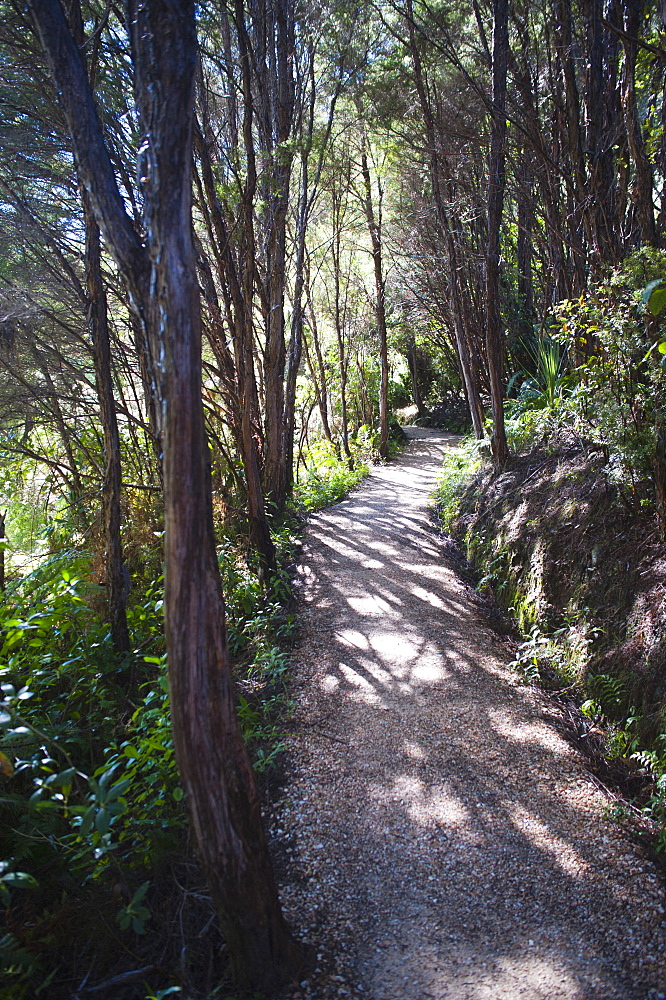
{"type": "Point", "coordinates": [443, 840]}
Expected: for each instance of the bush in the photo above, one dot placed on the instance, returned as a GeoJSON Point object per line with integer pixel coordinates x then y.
{"type": "Point", "coordinates": [328, 479]}
{"type": "Point", "coordinates": [619, 401]}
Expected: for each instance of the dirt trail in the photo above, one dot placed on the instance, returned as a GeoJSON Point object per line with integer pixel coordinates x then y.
{"type": "Point", "coordinates": [446, 842]}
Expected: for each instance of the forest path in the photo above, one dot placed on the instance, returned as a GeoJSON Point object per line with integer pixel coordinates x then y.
{"type": "Point", "coordinates": [445, 840]}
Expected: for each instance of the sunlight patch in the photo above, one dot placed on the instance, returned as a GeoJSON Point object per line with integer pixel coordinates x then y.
{"type": "Point", "coordinates": [528, 732]}
{"type": "Point", "coordinates": [370, 606]}
{"type": "Point", "coordinates": [350, 637]}
{"type": "Point", "coordinates": [430, 670]}
{"type": "Point", "coordinates": [413, 750]}
{"type": "Point", "coordinates": [424, 807]}
{"type": "Point", "coordinates": [397, 648]}
{"type": "Point", "coordinates": [364, 689]}
{"type": "Point", "coordinates": [429, 598]}
{"type": "Point", "coordinates": [546, 839]}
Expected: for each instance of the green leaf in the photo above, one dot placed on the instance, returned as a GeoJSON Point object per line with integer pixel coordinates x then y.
{"type": "Point", "coordinates": [102, 821]}
{"type": "Point", "coordinates": [20, 878]}
{"type": "Point", "coordinates": [662, 347]}
{"type": "Point", "coordinates": [87, 821]}
{"type": "Point", "coordinates": [657, 300]}
{"type": "Point", "coordinates": [178, 793]}
{"type": "Point", "coordinates": [64, 778]}
{"type": "Point", "coordinates": [118, 789]}
{"type": "Point", "coordinates": [140, 893]}
{"type": "Point", "coordinates": [105, 780]}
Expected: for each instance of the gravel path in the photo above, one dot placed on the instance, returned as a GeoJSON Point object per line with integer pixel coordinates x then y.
{"type": "Point", "coordinates": [439, 838]}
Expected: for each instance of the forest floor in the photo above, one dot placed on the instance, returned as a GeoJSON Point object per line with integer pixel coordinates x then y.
{"type": "Point", "coordinates": [437, 836]}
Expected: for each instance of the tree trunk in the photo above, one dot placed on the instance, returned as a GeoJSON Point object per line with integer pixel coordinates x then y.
{"type": "Point", "coordinates": [470, 377]}
{"type": "Point", "coordinates": [295, 351]}
{"type": "Point", "coordinates": [116, 579]}
{"type": "Point", "coordinates": [412, 361]}
{"type": "Point", "coordinates": [496, 182]}
{"type": "Point", "coordinates": [601, 131]}
{"type": "Point", "coordinates": [3, 545]}
{"type": "Point", "coordinates": [318, 376]}
{"type": "Point", "coordinates": [643, 181]}
{"type": "Point", "coordinates": [375, 231]}
{"type": "Point", "coordinates": [238, 291]}
{"type": "Point", "coordinates": [343, 359]}
{"type": "Point", "coordinates": [216, 773]}
{"type": "Point", "coordinates": [524, 247]}
{"type": "Point", "coordinates": [272, 59]}
{"type": "Point", "coordinates": [659, 476]}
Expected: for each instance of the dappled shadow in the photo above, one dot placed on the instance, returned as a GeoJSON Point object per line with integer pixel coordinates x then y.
{"type": "Point", "coordinates": [458, 831]}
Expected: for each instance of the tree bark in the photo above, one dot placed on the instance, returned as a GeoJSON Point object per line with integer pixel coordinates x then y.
{"type": "Point", "coordinates": [412, 361]}
{"type": "Point", "coordinates": [641, 195]}
{"type": "Point", "coordinates": [496, 182]}
{"type": "Point", "coordinates": [3, 546]}
{"type": "Point", "coordinates": [273, 61]}
{"type": "Point", "coordinates": [375, 230]}
{"type": "Point", "coordinates": [238, 290]}
{"type": "Point", "coordinates": [116, 579]}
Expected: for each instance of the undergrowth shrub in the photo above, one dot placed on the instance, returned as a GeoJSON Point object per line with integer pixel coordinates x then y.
{"type": "Point", "coordinates": [89, 790]}
{"type": "Point", "coordinates": [328, 478]}
{"type": "Point", "coordinates": [458, 470]}
{"type": "Point", "coordinates": [620, 387]}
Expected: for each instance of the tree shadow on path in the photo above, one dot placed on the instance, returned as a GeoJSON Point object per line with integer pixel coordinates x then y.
{"type": "Point", "coordinates": [449, 824]}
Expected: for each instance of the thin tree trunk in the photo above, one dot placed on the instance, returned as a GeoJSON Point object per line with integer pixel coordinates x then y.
{"type": "Point", "coordinates": [340, 332]}
{"type": "Point", "coordinates": [414, 374]}
{"type": "Point", "coordinates": [76, 484]}
{"type": "Point", "coordinates": [238, 291]}
{"type": "Point", "coordinates": [524, 247]}
{"type": "Point", "coordinates": [644, 181]}
{"type": "Point", "coordinates": [375, 231]}
{"type": "Point", "coordinates": [318, 376]}
{"type": "Point", "coordinates": [295, 351]}
{"type": "Point", "coordinates": [3, 545]}
{"type": "Point", "coordinates": [496, 182]}
{"type": "Point", "coordinates": [470, 378]}
{"type": "Point", "coordinates": [275, 98]}
{"type": "Point", "coordinates": [116, 579]}
{"type": "Point", "coordinates": [602, 110]}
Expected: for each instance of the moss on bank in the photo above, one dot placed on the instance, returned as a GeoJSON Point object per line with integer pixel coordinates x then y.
{"type": "Point", "coordinates": [579, 567]}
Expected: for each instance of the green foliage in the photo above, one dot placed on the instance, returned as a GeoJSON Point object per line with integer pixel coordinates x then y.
{"type": "Point", "coordinates": [328, 479]}
{"type": "Point", "coordinates": [135, 914]}
{"type": "Point", "coordinates": [526, 428]}
{"type": "Point", "coordinates": [90, 786]}
{"type": "Point", "coordinates": [609, 692]}
{"type": "Point", "coordinates": [546, 382]}
{"type": "Point", "coordinates": [620, 396]}
{"type": "Point", "coordinates": [458, 469]}
{"type": "Point", "coordinates": [557, 655]}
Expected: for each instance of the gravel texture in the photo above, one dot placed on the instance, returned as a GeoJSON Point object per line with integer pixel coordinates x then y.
{"type": "Point", "coordinates": [437, 837]}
